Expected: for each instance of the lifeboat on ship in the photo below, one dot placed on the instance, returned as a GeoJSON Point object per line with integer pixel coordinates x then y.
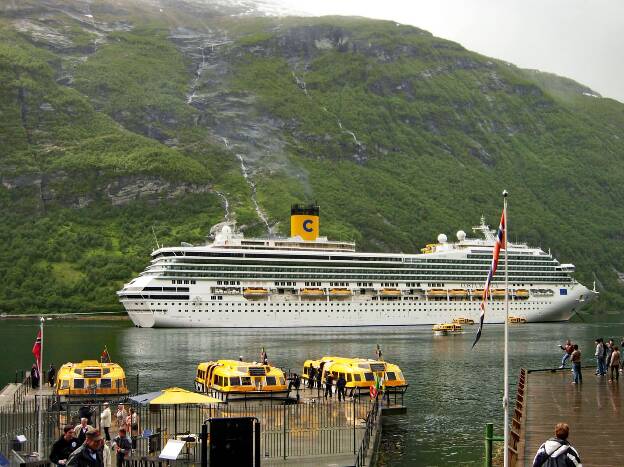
{"type": "Point", "coordinates": [255, 292]}
{"type": "Point", "coordinates": [337, 293]}
{"type": "Point", "coordinates": [437, 293]}
{"type": "Point", "coordinates": [312, 293]}
{"type": "Point", "coordinates": [522, 294]}
{"type": "Point", "coordinates": [458, 293]}
{"type": "Point", "coordinates": [390, 292]}
{"type": "Point", "coordinates": [498, 294]}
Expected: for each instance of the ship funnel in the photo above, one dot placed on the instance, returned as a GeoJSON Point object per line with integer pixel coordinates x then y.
{"type": "Point", "coordinates": [304, 221]}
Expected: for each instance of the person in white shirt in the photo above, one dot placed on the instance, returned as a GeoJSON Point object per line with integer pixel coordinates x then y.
{"type": "Point", "coordinates": [105, 420]}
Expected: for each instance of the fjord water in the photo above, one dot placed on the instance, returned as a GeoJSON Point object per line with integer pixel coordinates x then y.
{"type": "Point", "coordinates": [453, 390]}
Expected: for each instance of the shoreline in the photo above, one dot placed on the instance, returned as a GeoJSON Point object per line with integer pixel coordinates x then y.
{"type": "Point", "coordinates": [104, 316]}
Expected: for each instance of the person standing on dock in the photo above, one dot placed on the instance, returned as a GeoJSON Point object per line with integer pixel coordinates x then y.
{"type": "Point", "coordinates": [105, 421]}
{"type": "Point", "coordinates": [311, 377]}
{"type": "Point", "coordinates": [576, 365]}
{"type": "Point", "coordinates": [64, 446]}
{"type": "Point", "coordinates": [614, 364]}
{"type": "Point", "coordinates": [80, 432]}
{"type": "Point", "coordinates": [122, 446]}
{"type": "Point", "coordinates": [264, 358]}
{"type": "Point", "coordinates": [329, 381]}
{"type": "Point", "coordinates": [121, 416]}
{"type": "Point", "coordinates": [34, 376]}
{"type": "Point", "coordinates": [568, 348]}
{"type": "Point", "coordinates": [90, 453]}
{"type": "Point", "coordinates": [340, 387]}
{"type": "Point", "coordinates": [557, 451]}
{"type": "Point", "coordinates": [600, 354]}
{"type": "Point", "coordinates": [51, 375]}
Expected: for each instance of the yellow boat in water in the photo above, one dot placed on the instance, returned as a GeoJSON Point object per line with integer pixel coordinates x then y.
{"type": "Point", "coordinates": [359, 373]}
{"type": "Point", "coordinates": [445, 329]}
{"type": "Point", "coordinates": [462, 320]}
{"type": "Point", "coordinates": [233, 379]}
{"type": "Point", "coordinates": [90, 378]}
{"type": "Point", "coordinates": [517, 320]}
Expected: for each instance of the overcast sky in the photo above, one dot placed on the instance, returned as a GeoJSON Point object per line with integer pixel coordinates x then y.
{"type": "Point", "coordinates": [580, 39]}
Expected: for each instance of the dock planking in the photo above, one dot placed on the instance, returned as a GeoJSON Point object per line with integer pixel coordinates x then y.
{"type": "Point", "coordinates": [592, 409]}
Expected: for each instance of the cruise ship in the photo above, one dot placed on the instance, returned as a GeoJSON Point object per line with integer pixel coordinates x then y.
{"type": "Point", "coordinates": [307, 280]}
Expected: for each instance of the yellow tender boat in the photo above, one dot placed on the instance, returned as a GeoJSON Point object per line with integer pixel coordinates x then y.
{"type": "Point", "coordinates": [462, 320]}
{"type": "Point", "coordinates": [445, 329]}
{"type": "Point", "coordinates": [233, 379]}
{"type": "Point", "coordinates": [359, 373]}
{"type": "Point", "coordinates": [91, 378]}
{"type": "Point", "coordinates": [517, 320]}
{"type": "Point", "coordinates": [522, 293]}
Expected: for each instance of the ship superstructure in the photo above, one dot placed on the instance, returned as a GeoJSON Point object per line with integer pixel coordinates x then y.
{"type": "Point", "coordinates": [309, 281]}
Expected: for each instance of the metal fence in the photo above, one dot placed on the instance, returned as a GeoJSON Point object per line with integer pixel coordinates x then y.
{"type": "Point", "coordinates": [288, 430]}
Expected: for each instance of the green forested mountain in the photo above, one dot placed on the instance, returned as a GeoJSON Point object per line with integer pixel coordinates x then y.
{"type": "Point", "coordinates": [116, 117]}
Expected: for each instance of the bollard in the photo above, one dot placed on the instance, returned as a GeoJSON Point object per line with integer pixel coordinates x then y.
{"type": "Point", "coordinates": [489, 435]}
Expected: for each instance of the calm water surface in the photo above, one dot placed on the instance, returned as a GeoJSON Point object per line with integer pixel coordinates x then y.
{"type": "Point", "coordinates": [453, 391]}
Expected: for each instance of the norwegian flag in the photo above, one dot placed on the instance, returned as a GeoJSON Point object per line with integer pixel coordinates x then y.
{"type": "Point", "coordinates": [36, 350]}
{"type": "Point", "coordinates": [501, 242]}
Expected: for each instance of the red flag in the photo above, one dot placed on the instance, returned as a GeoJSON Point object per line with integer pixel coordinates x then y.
{"type": "Point", "coordinates": [373, 392]}
{"type": "Point", "coordinates": [36, 350]}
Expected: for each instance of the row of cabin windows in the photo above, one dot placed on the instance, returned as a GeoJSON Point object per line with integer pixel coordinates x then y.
{"type": "Point", "coordinates": [183, 281]}
{"type": "Point", "coordinates": [224, 381]}
{"type": "Point", "coordinates": [104, 383]}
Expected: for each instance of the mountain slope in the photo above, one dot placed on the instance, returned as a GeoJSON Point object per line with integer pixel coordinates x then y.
{"type": "Point", "coordinates": [119, 117]}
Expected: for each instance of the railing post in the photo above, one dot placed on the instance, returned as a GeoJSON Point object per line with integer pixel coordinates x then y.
{"type": "Point", "coordinates": [284, 423]}
{"type": "Point", "coordinates": [489, 436]}
{"type": "Point", "coordinates": [354, 442]}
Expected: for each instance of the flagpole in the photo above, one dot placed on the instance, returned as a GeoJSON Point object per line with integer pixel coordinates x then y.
{"type": "Point", "coordinates": [506, 364]}
{"type": "Point", "coordinates": [40, 405]}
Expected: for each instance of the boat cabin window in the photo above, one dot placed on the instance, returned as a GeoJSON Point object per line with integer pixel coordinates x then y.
{"type": "Point", "coordinates": [270, 380]}
{"type": "Point", "coordinates": [64, 384]}
{"type": "Point", "coordinates": [348, 377]}
{"type": "Point", "coordinates": [305, 370]}
{"type": "Point", "coordinates": [119, 381]}
{"type": "Point", "coordinates": [106, 371]}
{"type": "Point", "coordinates": [364, 366]}
{"type": "Point", "coordinates": [79, 384]}
{"type": "Point", "coordinates": [390, 376]}
{"type": "Point", "coordinates": [241, 369]}
{"type": "Point", "coordinates": [234, 380]}
{"type": "Point", "coordinates": [377, 366]}
{"type": "Point", "coordinates": [369, 376]}
{"type": "Point", "coordinates": [78, 371]}
{"type": "Point", "coordinates": [218, 380]}
{"type": "Point", "coordinates": [357, 377]}
{"type": "Point", "coordinates": [106, 383]}
{"type": "Point", "coordinates": [245, 381]}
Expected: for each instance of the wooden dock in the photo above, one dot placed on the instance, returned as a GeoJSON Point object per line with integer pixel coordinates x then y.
{"type": "Point", "coordinates": [592, 409]}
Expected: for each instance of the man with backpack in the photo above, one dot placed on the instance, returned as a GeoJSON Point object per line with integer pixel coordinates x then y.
{"type": "Point", "coordinates": [557, 451]}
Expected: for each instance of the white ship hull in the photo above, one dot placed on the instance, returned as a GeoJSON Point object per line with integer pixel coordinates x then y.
{"type": "Point", "coordinates": [241, 313]}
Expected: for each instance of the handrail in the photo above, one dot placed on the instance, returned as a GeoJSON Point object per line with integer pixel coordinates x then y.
{"type": "Point", "coordinates": [371, 422]}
